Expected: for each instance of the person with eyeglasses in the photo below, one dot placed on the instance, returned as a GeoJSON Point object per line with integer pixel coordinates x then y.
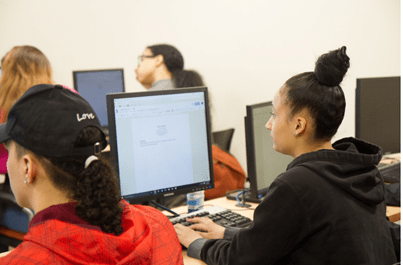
{"type": "Point", "coordinates": [161, 67]}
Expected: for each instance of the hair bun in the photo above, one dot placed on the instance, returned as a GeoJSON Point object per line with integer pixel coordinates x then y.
{"type": "Point", "coordinates": [331, 67]}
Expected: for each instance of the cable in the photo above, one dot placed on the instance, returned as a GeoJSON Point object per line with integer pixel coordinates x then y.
{"type": "Point", "coordinates": [166, 209]}
{"type": "Point", "coordinates": [239, 194]}
{"type": "Point", "coordinates": [242, 204]}
{"type": "Point", "coordinates": [233, 191]}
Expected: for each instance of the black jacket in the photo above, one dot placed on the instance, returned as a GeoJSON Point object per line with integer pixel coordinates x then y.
{"type": "Point", "coordinates": [327, 208]}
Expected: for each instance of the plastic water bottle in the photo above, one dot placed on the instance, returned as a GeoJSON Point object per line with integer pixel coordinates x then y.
{"type": "Point", "coordinates": [195, 200]}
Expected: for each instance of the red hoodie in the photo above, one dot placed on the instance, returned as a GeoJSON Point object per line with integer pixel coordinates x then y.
{"type": "Point", "coordinates": [57, 236]}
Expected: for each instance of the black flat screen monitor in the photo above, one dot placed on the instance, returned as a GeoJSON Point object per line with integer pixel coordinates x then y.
{"type": "Point", "coordinates": [161, 142]}
{"type": "Point", "coordinates": [263, 162]}
{"type": "Point", "coordinates": [377, 113]}
{"type": "Point", "coordinates": [93, 85]}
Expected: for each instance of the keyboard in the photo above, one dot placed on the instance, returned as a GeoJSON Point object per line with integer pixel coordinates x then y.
{"type": "Point", "coordinates": [218, 215]}
{"type": "Point", "coordinates": [390, 172]}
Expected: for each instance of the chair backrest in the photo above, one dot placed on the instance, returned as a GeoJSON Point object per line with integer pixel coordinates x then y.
{"type": "Point", "coordinates": [223, 138]}
{"type": "Point", "coordinates": [14, 219]}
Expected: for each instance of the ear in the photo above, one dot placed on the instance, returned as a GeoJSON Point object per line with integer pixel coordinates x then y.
{"type": "Point", "coordinates": [31, 166]}
{"type": "Point", "coordinates": [159, 60]}
{"type": "Point", "coordinates": [300, 126]}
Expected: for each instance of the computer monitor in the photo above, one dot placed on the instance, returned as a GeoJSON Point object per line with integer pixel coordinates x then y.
{"type": "Point", "coordinates": [377, 112]}
{"type": "Point", "coordinates": [93, 85]}
{"type": "Point", "coordinates": [264, 164]}
{"type": "Point", "coordinates": [161, 142]}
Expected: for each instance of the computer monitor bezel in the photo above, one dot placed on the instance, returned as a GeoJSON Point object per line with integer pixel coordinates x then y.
{"type": "Point", "coordinates": [114, 150]}
{"type": "Point", "coordinates": [75, 72]}
{"type": "Point", "coordinates": [257, 194]}
{"type": "Point", "coordinates": [250, 151]}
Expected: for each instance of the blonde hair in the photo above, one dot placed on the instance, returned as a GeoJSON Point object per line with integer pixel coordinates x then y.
{"type": "Point", "coordinates": [21, 68]}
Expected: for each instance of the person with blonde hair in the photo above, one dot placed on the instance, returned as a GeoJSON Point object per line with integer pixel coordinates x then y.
{"type": "Point", "coordinates": [22, 67]}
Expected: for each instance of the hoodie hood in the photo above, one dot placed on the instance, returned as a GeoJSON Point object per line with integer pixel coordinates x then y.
{"type": "Point", "coordinates": [148, 236]}
{"type": "Point", "coordinates": [351, 167]}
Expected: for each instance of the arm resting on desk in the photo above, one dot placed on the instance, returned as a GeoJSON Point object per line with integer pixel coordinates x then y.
{"type": "Point", "coordinates": [230, 232]}
{"type": "Point", "coordinates": [195, 247]}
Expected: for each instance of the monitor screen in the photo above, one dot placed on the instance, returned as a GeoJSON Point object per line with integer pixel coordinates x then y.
{"type": "Point", "coordinates": [377, 116]}
{"type": "Point", "coordinates": [93, 85]}
{"type": "Point", "coordinates": [263, 162]}
{"type": "Point", "coordinates": [161, 142]}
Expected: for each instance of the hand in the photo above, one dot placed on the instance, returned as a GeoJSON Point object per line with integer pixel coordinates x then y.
{"type": "Point", "coordinates": [212, 230]}
{"type": "Point", "coordinates": [186, 235]}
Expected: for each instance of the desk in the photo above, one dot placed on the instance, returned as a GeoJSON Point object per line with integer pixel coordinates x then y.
{"type": "Point", "coordinates": [392, 212]}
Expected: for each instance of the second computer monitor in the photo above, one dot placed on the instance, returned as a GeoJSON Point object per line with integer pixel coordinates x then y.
{"type": "Point", "coordinates": [377, 112]}
{"type": "Point", "coordinates": [263, 162]}
{"type": "Point", "coordinates": [94, 85]}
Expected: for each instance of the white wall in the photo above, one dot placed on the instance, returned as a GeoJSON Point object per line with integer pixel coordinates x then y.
{"type": "Point", "coordinates": [245, 50]}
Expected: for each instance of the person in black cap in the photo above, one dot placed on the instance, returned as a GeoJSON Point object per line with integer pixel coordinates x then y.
{"type": "Point", "coordinates": [54, 138]}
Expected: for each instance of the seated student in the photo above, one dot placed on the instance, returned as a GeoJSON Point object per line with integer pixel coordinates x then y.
{"type": "Point", "coordinates": [21, 68]}
{"type": "Point", "coordinates": [53, 138]}
{"type": "Point", "coordinates": [328, 207]}
{"type": "Point", "coordinates": [160, 67]}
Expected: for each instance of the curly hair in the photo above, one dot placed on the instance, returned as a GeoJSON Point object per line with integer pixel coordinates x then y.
{"type": "Point", "coordinates": [95, 188]}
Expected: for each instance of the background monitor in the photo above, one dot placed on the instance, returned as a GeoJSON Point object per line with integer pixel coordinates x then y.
{"type": "Point", "coordinates": [263, 162]}
{"type": "Point", "coordinates": [377, 113]}
{"type": "Point", "coordinates": [93, 85]}
{"type": "Point", "coordinates": [161, 142]}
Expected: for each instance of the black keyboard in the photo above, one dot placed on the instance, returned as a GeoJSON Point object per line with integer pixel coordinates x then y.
{"type": "Point", "coordinates": [218, 215]}
{"type": "Point", "coordinates": [390, 172]}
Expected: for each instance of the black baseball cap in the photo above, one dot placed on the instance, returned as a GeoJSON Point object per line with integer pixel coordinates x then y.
{"type": "Point", "coordinates": [47, 120]}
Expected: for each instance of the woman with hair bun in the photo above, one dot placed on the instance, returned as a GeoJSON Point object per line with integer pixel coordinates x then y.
{"type": "Point", "coordinates": [161, 67]}
{"type": "Point", "coordinates": [328, 207]}
{"type": "Point", "coordinates": [54, 139]}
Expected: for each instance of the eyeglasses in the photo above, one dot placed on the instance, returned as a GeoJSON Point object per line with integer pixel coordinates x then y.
{"type": "Point", "coordinates": [140, 58]}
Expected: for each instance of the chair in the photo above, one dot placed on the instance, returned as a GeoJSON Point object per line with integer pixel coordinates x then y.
{"type": "Point", "coordinates": [14, 219]}
{"type": "Point", "coordinates": [223, 138]}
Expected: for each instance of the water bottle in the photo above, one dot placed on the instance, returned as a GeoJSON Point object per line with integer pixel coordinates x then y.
{"type": "Point", "coordinates": [195, 201]}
